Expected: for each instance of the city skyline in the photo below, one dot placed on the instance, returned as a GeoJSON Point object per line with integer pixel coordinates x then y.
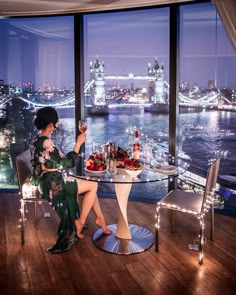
{"type": "Point", "coordinates": [41, 50]}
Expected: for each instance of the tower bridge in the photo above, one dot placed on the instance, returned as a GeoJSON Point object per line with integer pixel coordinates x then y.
{"type": "Point", "coordinates": [157, 92]}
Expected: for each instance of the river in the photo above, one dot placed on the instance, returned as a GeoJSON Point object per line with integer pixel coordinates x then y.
{"type": "Point", "coordinates": [202, 136]}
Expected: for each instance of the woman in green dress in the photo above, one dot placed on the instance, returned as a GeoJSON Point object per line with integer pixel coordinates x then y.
{"type": "Point", "coordinates": [62, 192]}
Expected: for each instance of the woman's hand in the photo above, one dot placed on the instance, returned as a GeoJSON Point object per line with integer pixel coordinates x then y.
{"type": "Point", "coordinates": [80, 140]}
{"type": "Point", "coordinates": [44, 169]}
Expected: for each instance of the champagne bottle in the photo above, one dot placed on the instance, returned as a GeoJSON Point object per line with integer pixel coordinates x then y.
{"type": "Point", "coordinates": [136, 146]}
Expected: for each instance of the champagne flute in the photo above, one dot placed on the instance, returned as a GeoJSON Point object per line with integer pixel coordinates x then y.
{"type": "Point", "coordinates": [83, 126]}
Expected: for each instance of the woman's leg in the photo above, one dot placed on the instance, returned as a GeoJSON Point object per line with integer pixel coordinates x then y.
{"type": "Point", "coordinates": [90, 190]}
{"type": "Point", "coordinates": [100, 220]}
{"type": "Point", "coordinates": [90, 200]}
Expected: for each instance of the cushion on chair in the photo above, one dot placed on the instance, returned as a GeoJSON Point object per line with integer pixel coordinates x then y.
{"type": "Point", "coordinates": [183, 200]}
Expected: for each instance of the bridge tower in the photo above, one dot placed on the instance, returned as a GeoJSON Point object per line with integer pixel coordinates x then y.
{"type": "Point", "coordinates": [156, 82]}
{"type": "Point", "coordinates": [97, 74]}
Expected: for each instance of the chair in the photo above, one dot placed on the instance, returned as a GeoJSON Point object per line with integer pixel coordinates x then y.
{"type": "Point", "coordinates": [191, 203]}
{"type": "Point", "coordinates": [24, 171]}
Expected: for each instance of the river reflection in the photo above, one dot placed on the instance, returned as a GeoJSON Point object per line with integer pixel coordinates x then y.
{"type": "Point", "coordinates": [202, 136]}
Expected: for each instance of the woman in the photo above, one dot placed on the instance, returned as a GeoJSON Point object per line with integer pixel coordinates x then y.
{"type": "Point", "coordinates": [61, 191]}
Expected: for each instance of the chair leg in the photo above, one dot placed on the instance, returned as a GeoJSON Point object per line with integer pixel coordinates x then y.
{"type": "Point", "coordinates": [172, 221]}
{"type": "Point", "coordinates": [212, 221]}
{"type": "Point", "coordinates": [35, 213]}
{"type": "Point", "coordinates": [201, 244]}
{"type": "Point", "coordinates": [22, 210]}
{"type": "Point", "coordinates": [157, 226]}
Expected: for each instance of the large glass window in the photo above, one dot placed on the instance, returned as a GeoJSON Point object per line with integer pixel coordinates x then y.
{"type": "Point", "coordinates": [126, 74]}
{"type": "Point", "coordinates": [126, 59]}
{"type": "Point", "coordinates": [207, 91]}
{"type": "Point", "coordinates": [36, 69]}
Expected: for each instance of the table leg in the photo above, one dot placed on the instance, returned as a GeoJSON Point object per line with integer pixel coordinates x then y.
{"type": "Point", "coordinates": [122, 194]}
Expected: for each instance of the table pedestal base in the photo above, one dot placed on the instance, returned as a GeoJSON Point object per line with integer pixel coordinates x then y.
{"type": "Point", "coordinates": [142, 239]}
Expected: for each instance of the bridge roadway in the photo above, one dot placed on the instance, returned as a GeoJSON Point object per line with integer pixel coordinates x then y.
{"type": "Point", "coordinates": [203, 101]}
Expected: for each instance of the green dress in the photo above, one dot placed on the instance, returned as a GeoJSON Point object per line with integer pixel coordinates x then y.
{"type": "Point", "coordinates": [60, 191]}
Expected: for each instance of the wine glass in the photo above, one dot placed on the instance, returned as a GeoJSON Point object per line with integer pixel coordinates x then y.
{"type": "Point", "coordinates": [111, 166]}
{"type": "Point", "coordinates": [83, 126]}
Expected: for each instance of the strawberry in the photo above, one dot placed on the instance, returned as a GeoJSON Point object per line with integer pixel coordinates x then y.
{"type": "Point", "coordinates": [99, 156]}
{"type": "Point", "coordinates": [91, 166]}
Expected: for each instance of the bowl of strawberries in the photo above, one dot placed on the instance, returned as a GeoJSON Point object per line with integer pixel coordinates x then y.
{"type": "Point", "coordinates": [95, 164]}
{"type": "Point", "coordinates": [133, 167]}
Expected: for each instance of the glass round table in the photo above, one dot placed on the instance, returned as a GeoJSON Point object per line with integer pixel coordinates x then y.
{"type": "Point", "coordinates": [127, 238]}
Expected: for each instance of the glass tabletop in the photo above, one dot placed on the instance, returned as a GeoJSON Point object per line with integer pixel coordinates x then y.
{"type": "Point", "coordinates": [148, 174]}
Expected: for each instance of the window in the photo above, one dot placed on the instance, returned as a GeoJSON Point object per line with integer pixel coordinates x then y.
{"type": "Point", "coordinates": [126, 74]}
{"type": "Point", "coordinates": [207, 90]}
{"type": "Point", "coordinates": [126, 60]}
{"type": "Point", "coordinates": [36, 69]}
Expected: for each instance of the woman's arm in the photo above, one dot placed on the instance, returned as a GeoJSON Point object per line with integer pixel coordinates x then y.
{"type": "Point", "coordinates": [80, 140]}
{"type": "Point", "coordinates": [69, 160]}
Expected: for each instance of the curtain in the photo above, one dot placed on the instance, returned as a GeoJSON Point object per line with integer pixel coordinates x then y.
{"type": "Point", "coordinates": [227, 12]}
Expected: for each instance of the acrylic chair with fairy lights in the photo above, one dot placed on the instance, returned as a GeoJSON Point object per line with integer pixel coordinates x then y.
{"type": "Point", "coordinates": [192, 203]}
{"type": "Point", "coordinates": [29, 194]}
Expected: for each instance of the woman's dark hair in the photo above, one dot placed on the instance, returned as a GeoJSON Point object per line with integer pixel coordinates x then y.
{"type": "Point", "coordinates": [45, 116]}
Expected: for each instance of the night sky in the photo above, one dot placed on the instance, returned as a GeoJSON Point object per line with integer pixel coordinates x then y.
{"type": "Point", "coordinates": [41, 50]}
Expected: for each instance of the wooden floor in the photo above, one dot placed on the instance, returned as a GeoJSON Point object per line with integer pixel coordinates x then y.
{"type": "Point", "coordinates": [87, 270]}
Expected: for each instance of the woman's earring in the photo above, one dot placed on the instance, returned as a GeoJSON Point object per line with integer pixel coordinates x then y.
{"type": "Point", "coordinates": [52, 128]}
